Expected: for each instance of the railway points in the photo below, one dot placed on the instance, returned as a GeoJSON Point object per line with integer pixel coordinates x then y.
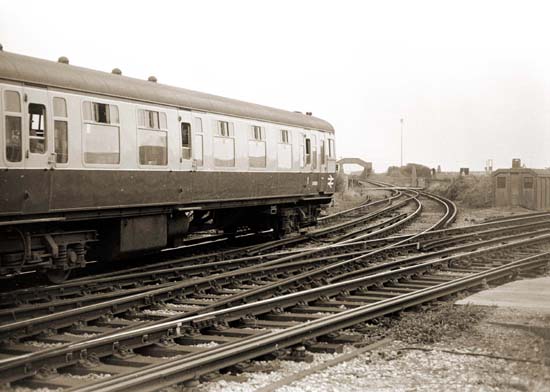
{"type": "Point", "coordinates": [217, 244]}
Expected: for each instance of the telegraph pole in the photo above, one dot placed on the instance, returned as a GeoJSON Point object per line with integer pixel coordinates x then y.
{"type": "Point", "coordinates": [401, 142]}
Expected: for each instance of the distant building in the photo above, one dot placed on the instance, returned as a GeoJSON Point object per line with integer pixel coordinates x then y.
{"type": "Point", "coordinates": [522, 187]}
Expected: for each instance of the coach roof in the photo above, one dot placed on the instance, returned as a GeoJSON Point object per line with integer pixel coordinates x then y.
{"type": "Point", "coordinates": [32, 70]}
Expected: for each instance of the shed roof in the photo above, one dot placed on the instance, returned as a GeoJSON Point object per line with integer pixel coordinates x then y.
{"type": "Point", "coordinates": [525, 170]}
{"type": "Point", "coordinates": [25, 69]}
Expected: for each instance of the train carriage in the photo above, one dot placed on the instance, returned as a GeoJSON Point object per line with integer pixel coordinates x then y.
{"type": "Point", "coordinates": [103, 164]}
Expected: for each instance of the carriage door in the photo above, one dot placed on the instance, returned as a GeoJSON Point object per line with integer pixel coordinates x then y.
{"type": "Point", "coordinates": [36, 128]}
{"type": "Point", "coordinates": [37, 149]}
{"type": "Point", "coordinates": [185, 137]}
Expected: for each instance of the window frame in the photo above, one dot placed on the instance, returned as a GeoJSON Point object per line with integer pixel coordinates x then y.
{"type": "Point", "coordinates": [501, 182]}
{"type": "Point", "coordinates": [231, 136]}
{"type": "Point", "coordinates": [314, 153]}
{"type": "Point", "coordinates": [56, 118]}
{"type": "Point", "coordinates": [324, 155]}
{"type": "Point", "coordinates": [92, 113]}
{"type": "Point", "coordinates": [116, 125]}
{"type": "Point", "coordinates": [257, 136]}
{"type": "Point", "coordinates": [257, 133]}
{"type": "Point", "coordinates": [150, 165]}
{"type": "Point", "coordinates": [146, 126]}
{"type": "Point", "coordinates": [8, 113]}
{"type": "Point", "coordinates": [282, 137]}
{"type": "Point", "coordinates": [199, 132]}
{"type": "Point", "coordinates": [43, 122]}
{"type": "Point", "coordinates": [530, 180]}
{"type": "Point", "coordinates": [285, 141]}
{"type": "Point", "coordinates": [189, 147]}
{"type": "Point", "coordinates": [161, 119]}
{"type": "Point", "coordinates": [307, 151]}
{"type": "Point", "coordinates": [227, 126]}
{"type": "Point", "coordinates": [331, 149]}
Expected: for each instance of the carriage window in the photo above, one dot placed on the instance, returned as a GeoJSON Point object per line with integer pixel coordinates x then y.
{"type": "Point", "coordinates": [313, 152]}
{"type": "Point", "coordinates": [198, 142]}
{"type": "Point", "coordinates": [101, 113]}
{"type": "Point", "coordinates": [152, 119]}
{"type": "Point", "coordinates": [37, 128]}
{"type": "Point", "coordinates": [323, 153]}
{"type": "Point", "coordinates": [284, 136]}
{"type": "Point", "coordinates": [59, 107]}
{"type": "Point", "coordinates": [284, 151]}
{"type": "Point", "coordinates": [186, 140]}
{"type": "Point", "coordinates": [256, 133]}
{"type": "Point", "coordinates": [224, 145]}
{"type": "Point", "coordinates": [14, 145]}
{"type": "Point", "coordinates": [101, 133]}
{"type": "Point", "coordinates": [224, 129]}
{"type": "Point", "coordinates": [61, 135]}
{"type": "Point", "coordinates": [153, 147]}
{"type": "Point", "coordinates": [528, 182]}
{"type": "Point", "coordinates": [61, 141]}
{"type": "Point", "coordinates": [501, 182]}
{"type": "Point", "coordinates": [308, 151]}
{"type": "Point", "coordinates": [14, 139]}
{"type": "Point", "coordinates": [101, 144]}
{"type": "Point", "coordinates": [331, 152]}
{"type": "Point", "coordinates": [12, 101]}
{"type": "Point", "coordinates": [256, 147]}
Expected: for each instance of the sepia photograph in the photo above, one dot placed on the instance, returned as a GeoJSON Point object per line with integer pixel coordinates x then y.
{"type": "Point", "coordinates": [274, 196]}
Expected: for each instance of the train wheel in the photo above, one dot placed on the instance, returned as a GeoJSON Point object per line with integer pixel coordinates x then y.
{"type": "Point", "coordinates": [58, 276]}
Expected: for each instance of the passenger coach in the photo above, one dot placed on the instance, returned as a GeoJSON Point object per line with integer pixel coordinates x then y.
{"type": "Point", "coordinates": [99, 165]}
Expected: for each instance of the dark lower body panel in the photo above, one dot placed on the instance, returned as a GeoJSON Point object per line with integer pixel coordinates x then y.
{"type": "Point", "coordinates": [132, 211]}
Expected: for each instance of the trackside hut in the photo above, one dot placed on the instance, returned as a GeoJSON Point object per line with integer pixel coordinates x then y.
{"type": "Point", "coordinates": [522, 187]}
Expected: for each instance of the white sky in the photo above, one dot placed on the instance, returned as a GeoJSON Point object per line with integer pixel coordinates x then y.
{"type": "Point", "coordinates": [471, 79]}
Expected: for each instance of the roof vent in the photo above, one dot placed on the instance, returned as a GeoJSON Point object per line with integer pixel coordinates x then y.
{"type": "Point", "coordinates": [152, 79]}
{"type": "Point", "coordinates": [1, 48]}
{"type": "Point", "coordinates": [309, 113]}
{"type": "Point", "coordinates": [63, 60]}
{"type": "Point", "coordinates": [116, 71]}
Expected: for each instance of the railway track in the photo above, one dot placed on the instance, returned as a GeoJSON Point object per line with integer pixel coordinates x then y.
{"type": "Point", "coordinates": [368, 295]}
{"type": "Point", "coordinates": [34, 318]}
{"type": "Point", "coordinates": [76, 347]}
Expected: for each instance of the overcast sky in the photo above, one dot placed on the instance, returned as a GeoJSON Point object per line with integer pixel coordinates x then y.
{"type": "Point", "coordinates": [470, 79]}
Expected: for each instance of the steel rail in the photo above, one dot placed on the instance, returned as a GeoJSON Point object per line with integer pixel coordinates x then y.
{"type": "Point", "coordinates": [124, 302]}
{"type": "Point", "coordinates": [162, 275]}
{"type": "Point", "coordinates": [165, 293]}
{"type": "Point", "coordinates": [29, 326]}
{"type": "Point", "coordinates": [317, 233]}
{"type": "Point", "coordinates": [362, 206]}
{"type": "Point", "coordinates": [24, 365]}
{"type": "Point", "coordinates": [155, 377]}
{"type": "Point", "coordinates": [429, 245]}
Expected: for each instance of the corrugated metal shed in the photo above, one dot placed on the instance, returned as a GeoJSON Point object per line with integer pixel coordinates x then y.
{"type": "Point", "coordinates": [24, 69]}
{"type": "Point", "coordinates": [522, 187]}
